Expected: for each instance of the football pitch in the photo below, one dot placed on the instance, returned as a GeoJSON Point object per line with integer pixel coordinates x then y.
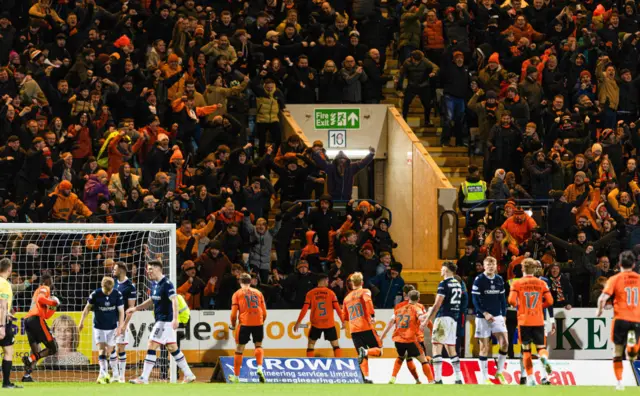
{"type": "Point", "coordinates": [90, 389]}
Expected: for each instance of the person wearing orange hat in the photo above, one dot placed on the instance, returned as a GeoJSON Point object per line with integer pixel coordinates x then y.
{"type": "Point", "coordinates": [66, 205]}
{"type": "Point", "coordinates": [491, 76]}
{"type": "Point", "coordinates": [170, 69]}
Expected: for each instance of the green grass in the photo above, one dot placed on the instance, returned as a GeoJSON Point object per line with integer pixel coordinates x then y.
{"type": "Point", "coordinates": [89, 389]}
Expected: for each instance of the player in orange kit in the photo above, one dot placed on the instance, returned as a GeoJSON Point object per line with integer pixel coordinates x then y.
{"type": "Point", "coordinates": [247, 305]}
{"type": "Point", "coordinates": [323, 302]}
{"type": "Point", "coordinates": [358, 308]}
{"type": "Point", "coordinates": [420, 336]}
{"type": "Point", "coordinates": [531, 296]}
{"type": "Point", "coordinates": [623, 288]}
{"type": "Point", "coordinates": [407, 322]}
{"type": "Point", "coordinates": [43, 306]}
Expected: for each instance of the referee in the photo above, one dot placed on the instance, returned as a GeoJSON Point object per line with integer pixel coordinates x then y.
{"type": "Point", "coordinates": [6, 328]}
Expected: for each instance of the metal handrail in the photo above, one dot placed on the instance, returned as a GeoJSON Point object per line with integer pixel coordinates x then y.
{"type": "Point", "coordinates": [345, 201]}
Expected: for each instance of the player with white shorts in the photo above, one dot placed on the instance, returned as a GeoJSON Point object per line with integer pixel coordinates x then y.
{"type": "Point", "coordinates": [447, 308]}
{"type": "Point", "coordinates": [118, 358]}
{"type": "Point", "coordinates": [108, 307]}
{"type": "Point", "coordinates": [490, 304]}
{"type": "Point", "coordinates": [165, 309]}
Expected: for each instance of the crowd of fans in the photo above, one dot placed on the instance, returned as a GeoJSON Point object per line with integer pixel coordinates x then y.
{"type": "Point", "coordinates": [169, 112]}
{"type": "Point", "coordinates": [149, 111]}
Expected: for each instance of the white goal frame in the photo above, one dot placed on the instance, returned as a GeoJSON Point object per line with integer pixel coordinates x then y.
{"type": "Point", "coordinates": [107, 227]}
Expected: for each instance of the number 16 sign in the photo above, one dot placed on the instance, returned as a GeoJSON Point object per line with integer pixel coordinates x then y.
{"type": "Point", "coordinates": [337, 138]}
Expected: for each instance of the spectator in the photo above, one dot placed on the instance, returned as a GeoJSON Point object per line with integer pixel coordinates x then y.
{"type": "Point", "coordinates": [386, 288]}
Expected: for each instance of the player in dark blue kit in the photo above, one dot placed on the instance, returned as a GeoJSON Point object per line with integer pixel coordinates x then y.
{"type": "Point", "coordinates": [165, 308]}
{"type": "Point", "coordinates": [490, 303]}
{"type": "Point", "coordinates": [130, 295]}
{"type": "Point", "coordinates": [108, 307]}
{"type": "Point", "coordinates": [446, 310]}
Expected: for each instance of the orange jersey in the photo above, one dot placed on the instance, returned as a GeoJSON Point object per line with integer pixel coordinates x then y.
{"type": "Point", "coordinates": [531, 296]}
{"type": "Point", "coordinates": [322, 301]}
{"type": "Point", "coordinates": [358, 309]}
{"type": "Point", "coordinates": [423, 310]}
{"type": "Point", "coordinates": [41, 303]}
{"type": "Point", "coordinates": [249, 305]}
{"type": "Point", "coordinates": [624, 288]}
{"type": "Point", "coordinates": [407, 323]}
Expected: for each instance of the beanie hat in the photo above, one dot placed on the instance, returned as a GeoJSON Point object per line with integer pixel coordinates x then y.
{"type": "Point", "coordinates": [173, 58]}
{"type": "Point", "coordinates": [396, 267]}
{"type": "Point", "coordinates": [585, 73]}
{"type": "Point", "coordinates": [318, 143]}
{"type": "Point", "coordinates": [510, 204]}
{"type": "Point", "coordinates": [215, 244]}
{"type": "Point", "coordinates": [162, 136]}
{"type": "Point", "coordinates": [188, 265]}
{"type": "Point", "coordinates": [123, 41]}
{"type": "Point", "coordinates": [531, 124]}
{"type": "Point", "coordinates": [519, 211]}
{"type": "Point", "coordinates": [457, 54]}
{"type": "Point", "coordinates": [494, 58]}
{"type": "Point", "coordinates": [302, 263]}
{"type": "Point", "coordinates": [199, 30]}
{"type": "Point", "coordinates": [623, 71]}
{"type": "Point", "coordinates": [491, 95]}
{"type": "Point", "coordinates": [367, 246]}
{"type": "Point", "coordinates": [580, 173]}
{"type": "Point", "coordinates": [531, 69]}
{"type": "Point", "coordinates": [448, 10]}
{"type": "Point", "coordinates": [177, 155]}
{"type": "Point", "coordinates": [500, 173]}
{"type": "Point", "coordinates": [596, 147]}
{"type": "Point", "coordinates": [65, 185]}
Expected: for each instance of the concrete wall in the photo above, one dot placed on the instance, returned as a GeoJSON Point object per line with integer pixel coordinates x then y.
{"type": "Point", "coordinates": [414, 188]}
{"type": "Point", "coordinates": [417, 192]}
{"type": "Point", "coordinates": [371, 133]}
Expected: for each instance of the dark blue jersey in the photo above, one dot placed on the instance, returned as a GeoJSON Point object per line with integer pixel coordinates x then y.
{"type": "Point", "coordinates": [128, 291]}
{"type": "Point", "coordinates": [161, 294]}
{"type": "Point", "coordinates": [488, 295]}
{"type": "Point", "coordinates": [451, 290]}
{"type": "Point", "coordinates": [105, 309]}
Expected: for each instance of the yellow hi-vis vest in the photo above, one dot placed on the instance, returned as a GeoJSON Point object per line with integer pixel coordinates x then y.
{"type": "Point", "coordinates": [184, 313]}
{"type": "Point", "coordinates": [474, 192]}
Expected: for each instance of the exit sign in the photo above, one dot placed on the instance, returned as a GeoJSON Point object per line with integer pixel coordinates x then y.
{"type": "Point", "coordinates": [336, 118]}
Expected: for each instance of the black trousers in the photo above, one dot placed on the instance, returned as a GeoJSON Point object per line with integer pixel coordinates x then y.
{"type": "Point", "coordinates": [272, 128]}
{"type": "Point", "coordinates": [424, 93]}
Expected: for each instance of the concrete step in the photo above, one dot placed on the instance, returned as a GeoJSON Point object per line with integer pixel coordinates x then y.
{"type": "Point", "coordinates": [454, 171]}
{"type": "Point", "coordinates": [447, 151]}
{"type": "Point", "coordinates": [456, 181]}
{"type": "Point", "coordinates": [430, 141]}
{"type": "Point", "coordinates": [455, 161]}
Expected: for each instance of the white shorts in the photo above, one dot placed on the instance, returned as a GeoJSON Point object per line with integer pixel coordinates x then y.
{"type": "Point", "coordinates": [163, 333]}
{"type": "Point", "coordinates": [444, 331]}
{"type": "Point", "coordinates": [123, 338]}
{"type": "Point", "coordinates": [484, 328]}
{"type": "Point", "coordinates": [104, 336]}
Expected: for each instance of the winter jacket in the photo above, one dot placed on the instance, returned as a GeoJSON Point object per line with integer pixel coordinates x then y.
{"type": "Point", "coordinates": [91, 191]}
{"type": "Point", "coordinates": [388, 290]}
{"type": "Point", "coordinates": [498, 190]}
{"type": "Point", "coordinates": [340, 186]}
{"type": "Point", "coordinates": [433, 36]}
{"type": "Point", "coordinates": [352, 90]}
{"type": "Point", "coordinates": [608, 90]}
{"type": "Point", "coordinates": [527, 32]}
{"type": "Point", "coordinates": [410, 26]}
{"type": "Point", "coordinates": [197, 233]}
{"type": "Point", "coordinates": [116, 189]}
{"type": "Point", "coordinates": [417, 74]}
{"type": "Point", "coordinates": [210, 266]}
{"type": "Point", "coordinates": [490, 80]}
{"type": "Point", "coordinates": [487, 117]}
{"type": "Point", "coordinates": [268, 105]}
{"type": "Point", "coordinates": [63, 208]}
{"type": "Point", "coordinates": [260, 244]}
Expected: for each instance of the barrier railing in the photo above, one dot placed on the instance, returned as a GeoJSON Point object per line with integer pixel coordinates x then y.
{"type": "Point", "coordinates": [310, 202]}
{"type": "Point", "coordinates": [499, 203]}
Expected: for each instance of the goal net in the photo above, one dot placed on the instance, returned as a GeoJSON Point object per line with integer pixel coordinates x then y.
{"type": "Point", "coordinates": [78, 256]}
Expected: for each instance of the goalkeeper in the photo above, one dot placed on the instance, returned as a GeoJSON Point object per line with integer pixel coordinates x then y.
{"type": "Point", "coordinates": [43, 306]}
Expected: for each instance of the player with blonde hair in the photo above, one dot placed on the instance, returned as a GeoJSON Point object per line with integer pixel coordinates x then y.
{"type": "Point", "coordinates": [358, 310]}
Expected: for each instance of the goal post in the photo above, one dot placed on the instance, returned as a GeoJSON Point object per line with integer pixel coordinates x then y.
{"type": "Point", "coordinates": [78, 256]}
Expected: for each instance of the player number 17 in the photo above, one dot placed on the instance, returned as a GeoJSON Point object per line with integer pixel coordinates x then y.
{"type": "Point", "coordinates": [531, 299]}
